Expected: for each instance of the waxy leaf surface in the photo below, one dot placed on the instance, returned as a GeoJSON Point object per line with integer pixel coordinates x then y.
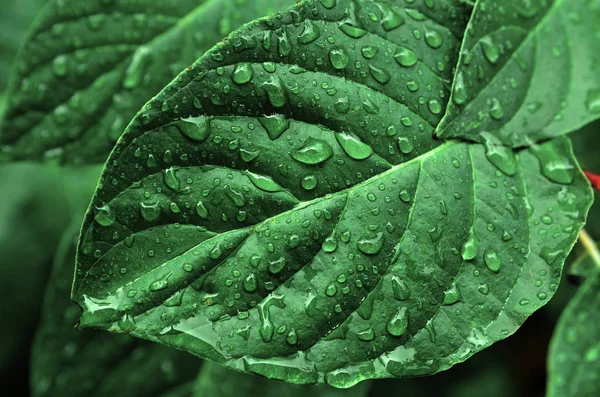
{"type": "Point", "coordinates": [283, 208]}
{"type": "Point", "coordinates": [528, 70]}
{"type": "Point", "coordinates": [88, 66]}
{"type": "Point", "coordinates": [574, 361]}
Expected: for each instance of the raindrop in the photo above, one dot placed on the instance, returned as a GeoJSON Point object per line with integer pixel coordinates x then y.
{"type": "Point", "coordinates": [313, 151]}
{"type": "Point", "coordinates": [353, 146]}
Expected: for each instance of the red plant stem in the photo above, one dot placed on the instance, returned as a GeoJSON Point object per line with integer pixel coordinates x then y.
{"type": "Point", "coordinates": [594, 179]}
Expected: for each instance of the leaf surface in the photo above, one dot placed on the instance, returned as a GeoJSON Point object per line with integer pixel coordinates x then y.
{"type": "Point", "coordinates": [88, 67]}
{"type": "Point", "coordinates": [574, 360]}
{"type": "Point", "coordinates": [282, 207]}
{"type": "Point", "coordinates": [67, 362]}
{"type": "Point", "coordinates": [528, 71]}
{"type": "Point", "coordinates": [217, 381]}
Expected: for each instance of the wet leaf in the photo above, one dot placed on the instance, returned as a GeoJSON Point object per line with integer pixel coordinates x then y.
{"type": "Point", "coordinates": [529, 70]}
{"type": "Point", "coordinates": [574, 360]}
{"type": "Point", "coordinates": [67, 362]}
{"type": "Point", "coordinates": [283, 208]}
{"type": "Point", "coordinates": [217, 381]}
{"type": "Point", "coordinates": [86, 70]}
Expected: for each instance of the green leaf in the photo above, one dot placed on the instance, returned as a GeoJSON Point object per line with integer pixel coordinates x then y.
{"type": "Point", "coordinates": [528, 71]}
{"type": "Point", "coordinates": [282, 207]}
{"type": "Point", "coordinates": [66, 362]}
{"type": "Point", "coordinates": [217, 381]}
{"type": "Point", "coordinates": [574, 360]}
{"type": "Point", "coordinates": [15, 18]}
{"type": "Point", "coordinates": [86, 69]}
{"type": "Point", "coordinates": [30, 193]}
{"type": "Point", "coordinates": [585, 146]}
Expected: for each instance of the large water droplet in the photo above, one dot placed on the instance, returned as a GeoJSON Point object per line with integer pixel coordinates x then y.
{"type": "Point", "coordinates": [353, 146]}
{"type": "Point", "coordinates": [313, 151]}
{"type": "Point", "coordinates": [400, 288]}
{"type": "Point", "coordinates": [499, 155]}
{"type": "Point", "coordinates": [491, 50]}
{"type": "Point", "coordinates": [492, 260]}
{"type": "Point", "coordinates": [405, 56]}
{"type": "Point", "coordinates": [243, 73]}
{"type": "Point", "coordinates": [398, 324]}
{"type": "Point", "coordinates": [470, 247]}
{"type": "Point", "coordinates": [371, 245]}
{"type": "Point", "coordinates": [339, 58]}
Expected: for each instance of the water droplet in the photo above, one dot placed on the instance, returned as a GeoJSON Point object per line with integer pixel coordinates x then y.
{"type": "Point", "coordinates": [497, 111]}
{"type": "Point", "coordinates": [60, 66]}
{"type": "Point", "coordinates": [201, 210]}
{"type": "Point", "coordinates": [105, 216]}
{"type": "Point", "coordinates": [380, 75]}
{"type": "Point", "coordinates": [459, 95]}
{"type": "Point", "coordinates": [339, 58]}
{"type": "Point", "coordinates": [195, 128]}
{"type": "Point", "coordinates": [398, 324]}
{"type": "Point", "coordinates": [171, 179]}
{"type": "Point", "coordinates": [353, 146]}
{"type": "Point", "coordinates": [243, 73]}
{"type": "Point", "coordinates": [492, 260]}
{"type": "Point", "coordinates": [405, 57]}
{"type": "Point", "coordinates": [470, 247]}
{"type": "Point", "coordinates": [499, 155]}
{"type": "Point", "coordinates": [309, 182]}
{"type": "Point", "coordinates": [264, 183]}
{"type": "Point", "coordinates": [452, 295]}
{"type": "Point", "coordinates": [275, 92]}
{"type": "Point", "coordinates": [371, 245]}
{"type": "Point", "coordinates": [433, 38]}
{"type": "Point", "coordinates": [593, 101]}
{"type": "Point", "coordinates": [400, 288]}
{"type": "Point", "coordinates": [405, 144]}
{"type": "Point", "coordinates": [313, 151]}
{"type": "Point", "coordinates": [435, 106]}
{"type": "Point", "coordinates": [249, 283]}
{"type": "Point", "coordinates": [310, 32]}
{"type": "Point", "coordinates": [490, 49]}
{"type": "Point", "coordinates": [275, 125]}
{"type": "Point", "coordinates": [136, 70]}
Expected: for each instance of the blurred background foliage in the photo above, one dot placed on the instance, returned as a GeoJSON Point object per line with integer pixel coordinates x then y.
{"type": "Point", "coordinates": [42, 354]}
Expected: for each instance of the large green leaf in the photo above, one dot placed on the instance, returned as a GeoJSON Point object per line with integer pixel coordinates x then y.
{"type": "Point", "coordinates": [67, 362]}
{"type": "Point", "coordinates": [88, 67]}
{"type": "Point", "coordinates": [574, 361]}
{"type": "Point", "coordinates": [528, 70]}
{"type": "Point", "coordinates": [283, 208]}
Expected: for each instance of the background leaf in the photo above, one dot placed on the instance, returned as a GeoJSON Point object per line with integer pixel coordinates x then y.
{"type": "Point", "coordinates": [67, 362]}
{"type": "Point", "coordinates": [574, 360]}
{"type": "Point", "coordinates": [528, 71]}
{"type": "Point", "coordinates": [266, 227]}
{"type": "Point", "coordinates": [15, 19]}
{"type": "Point", "coordinates": [73, 91]}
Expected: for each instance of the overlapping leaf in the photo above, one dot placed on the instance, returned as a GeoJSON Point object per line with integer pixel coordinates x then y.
{"type": "Point", "coordinates": [66, 362]}
{"type": "Point", "coordinates": [574, 360]}
{"type": "Point", "coordinates": [529, 70]}
{"type": "Point", "coordinates": [88, 67]}
{"type": "Point", "coordinates": [283, 208]}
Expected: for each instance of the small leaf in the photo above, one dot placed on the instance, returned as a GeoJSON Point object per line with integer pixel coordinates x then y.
{"type": "Point", "coordinates": [85, 71]}
{"type": "Point", "coordinates": [574, 360]}
{"type": "Point", "coordinates": [528, 71]}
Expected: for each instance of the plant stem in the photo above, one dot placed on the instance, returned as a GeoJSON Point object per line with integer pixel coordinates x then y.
{"type": "Point", "coordinates": [590, 246]}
